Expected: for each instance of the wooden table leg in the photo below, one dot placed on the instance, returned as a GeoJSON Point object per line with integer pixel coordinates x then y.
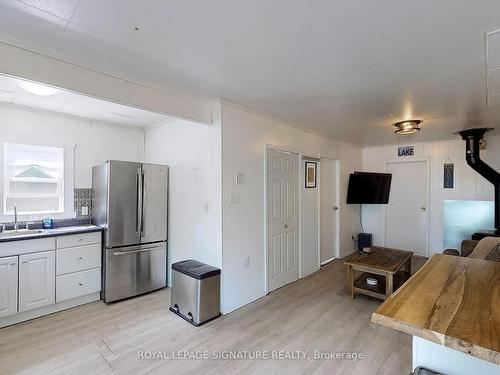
{"type": "Point", "coordinates": [389, 284]}
{"type": "Point", "coordinates": [350, 281]}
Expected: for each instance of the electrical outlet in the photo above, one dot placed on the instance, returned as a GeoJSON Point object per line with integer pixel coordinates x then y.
{"type": "Point", "coordinates": [85, 210]}
{"type": "Point", "coordinates": [247, 262]}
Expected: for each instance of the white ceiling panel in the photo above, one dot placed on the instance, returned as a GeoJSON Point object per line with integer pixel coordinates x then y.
{"type": "Point", "coordinates": [342, 68]}
{"type": "Point", "coordinates": [60, 8]}
{"type": "Point", "coordinates": [16, 15]}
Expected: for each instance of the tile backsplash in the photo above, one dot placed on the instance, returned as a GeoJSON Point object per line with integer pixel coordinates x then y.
{"type": "Point", "coordinates": [82, 199]}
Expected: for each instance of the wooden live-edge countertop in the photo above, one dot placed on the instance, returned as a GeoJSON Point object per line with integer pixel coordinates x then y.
{"type": "Point", "coordinates": [452, 301]}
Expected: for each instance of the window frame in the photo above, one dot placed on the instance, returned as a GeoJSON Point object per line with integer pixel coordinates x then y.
{"type": "Point", "coordinates": [60, 181]}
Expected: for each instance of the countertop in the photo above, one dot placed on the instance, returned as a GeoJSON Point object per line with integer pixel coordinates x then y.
{"type": "Point", "coordinates": [22, 234]}
{"type": "Point", "coordinates": [452, 301]}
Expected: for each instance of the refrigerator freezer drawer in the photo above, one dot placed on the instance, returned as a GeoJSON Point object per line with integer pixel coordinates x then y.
{"type": "Point", "coordinates": [134, 270]}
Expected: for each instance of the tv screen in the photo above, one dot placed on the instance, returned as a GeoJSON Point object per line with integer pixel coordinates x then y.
{"type": "Point", "coordinates": [369, 188]}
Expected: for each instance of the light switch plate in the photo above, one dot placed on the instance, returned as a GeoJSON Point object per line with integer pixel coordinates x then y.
{"type": "Point", "coordinates": [239, 178]}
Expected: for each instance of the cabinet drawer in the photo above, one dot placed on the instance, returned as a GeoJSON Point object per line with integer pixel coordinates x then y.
{"type": "Point", "coordinates": [78, 284]}
{"type": "Point", "coordinates": [78, 239]}
{"type": "Point", "coordinates": [81, 258]}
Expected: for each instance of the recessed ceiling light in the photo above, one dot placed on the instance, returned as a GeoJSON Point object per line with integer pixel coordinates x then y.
{"type": "Point", "coordinates": [407, 127]}
{"type": "Point", "coordinates": [38, 89]}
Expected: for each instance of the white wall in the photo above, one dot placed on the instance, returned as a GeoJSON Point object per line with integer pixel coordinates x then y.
{"type": "Point", "coordinates": [469, 185]}
{"type": "Point", "coordinates": [244, 136]}
{"type": "Point", "coordinates": [193, 153]}
{"type": "Point", "coordinates": [92, 142]}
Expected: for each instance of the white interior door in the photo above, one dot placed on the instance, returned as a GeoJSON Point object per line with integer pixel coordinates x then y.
{"type": "Point", "coordinates": [328, 210]}
{"type": "Point", "coordinates": [282, 218]}
{"type": "Point", "coordinates": [406, 215]}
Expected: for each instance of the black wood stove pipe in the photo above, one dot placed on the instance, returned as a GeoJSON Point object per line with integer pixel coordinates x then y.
{"type": "Point", "coordinates": [472, 138]}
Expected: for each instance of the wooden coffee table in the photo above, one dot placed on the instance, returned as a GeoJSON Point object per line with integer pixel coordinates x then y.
{"type": "Point", "coordinates": [391, 268]}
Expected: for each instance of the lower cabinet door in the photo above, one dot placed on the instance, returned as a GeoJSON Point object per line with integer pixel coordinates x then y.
{"type": "Point", "coordinates": [37, 278]}
{"type": "Point", "coordinates": [8, 286]}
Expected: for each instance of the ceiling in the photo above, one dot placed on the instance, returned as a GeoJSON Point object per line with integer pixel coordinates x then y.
{"type": "Point", "coordinates": [78, 105]}
{"type": "Point", "coordinates": [346, 69]}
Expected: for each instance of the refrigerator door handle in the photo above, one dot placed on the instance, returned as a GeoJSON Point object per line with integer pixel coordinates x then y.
{"type": "Point", "coordinates": [138, 212]}
{"type": "Point", "coordinates": [136, 251]}
{"type": "Point", "coordinates": [142, 203]}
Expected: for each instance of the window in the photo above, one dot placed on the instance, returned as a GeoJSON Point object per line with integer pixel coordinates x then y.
{"type": "Point", "coordinates": [33, 179]}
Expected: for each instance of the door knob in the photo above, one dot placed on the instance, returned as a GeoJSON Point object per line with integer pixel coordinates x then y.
{"type": "Point", "coordinates": [335, 208]}
{"type": "Point", "coordinates": [422, 209]}
{"type": "Point", "coordinates": [286, 226]}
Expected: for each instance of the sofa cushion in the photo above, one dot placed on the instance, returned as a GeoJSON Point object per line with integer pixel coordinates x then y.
{"type": "Point", "coordinates": [485, 247]}
{"type": "Point", "coordinates": [451, 252]}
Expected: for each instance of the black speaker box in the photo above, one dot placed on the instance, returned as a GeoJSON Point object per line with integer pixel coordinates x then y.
{"type": "Point", "coordinates": [364, 240]}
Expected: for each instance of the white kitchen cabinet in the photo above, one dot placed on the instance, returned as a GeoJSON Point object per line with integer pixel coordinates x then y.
{"type": "Point", "coordinates": [8, 286]}
{"type": "Point", "coordinates": [81, 258]}
{"type": "Point", "coordinates": [78, 284]}
{"type": "Point", "coordinates": [37, 278]}
{"type": "Point", "coordinates": [80, 239]}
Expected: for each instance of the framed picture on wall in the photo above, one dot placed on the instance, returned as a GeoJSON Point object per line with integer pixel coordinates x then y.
{"type": "Point", "coordinates": [310, 177]}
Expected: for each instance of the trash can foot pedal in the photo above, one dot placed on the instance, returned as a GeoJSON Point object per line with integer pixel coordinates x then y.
{"type": "Point", "coordinates": [177, 312]}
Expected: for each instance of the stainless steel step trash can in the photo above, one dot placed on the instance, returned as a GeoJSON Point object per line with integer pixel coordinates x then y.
{"type": "Point", "coordinates": [195, 294]}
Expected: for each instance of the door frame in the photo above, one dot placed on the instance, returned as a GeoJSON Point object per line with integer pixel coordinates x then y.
{"type": "Point", "coordinates": [337, 212]}
{"type": "Point", "coordinates": [266, 205]}
{"type": "Point", "coordinates": [427, 162]}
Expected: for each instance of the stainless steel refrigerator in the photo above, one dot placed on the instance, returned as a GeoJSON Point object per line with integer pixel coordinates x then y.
{"type": "Point", "coordinates": [129, 200]}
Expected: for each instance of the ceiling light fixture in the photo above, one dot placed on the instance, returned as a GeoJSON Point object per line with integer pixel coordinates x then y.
{"type": "Point", "coordinates": [407, 127]}
{"type": "Point", "coordinates": [38, 89]}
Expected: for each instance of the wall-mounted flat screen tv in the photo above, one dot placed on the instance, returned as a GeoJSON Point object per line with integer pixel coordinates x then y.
{"type": "Point", "coordinates": [369, 188]}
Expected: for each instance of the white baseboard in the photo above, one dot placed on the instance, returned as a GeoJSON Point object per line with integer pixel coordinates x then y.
{"type": "Point", "coordinates": [46, 310]}
{"type": "Point", "coordinates": [241, 303]}
{"type": "Point", "coordinates": [327, 261]}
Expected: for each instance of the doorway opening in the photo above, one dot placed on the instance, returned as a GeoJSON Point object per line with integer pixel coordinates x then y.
{"type": "Point", "coordinates": [329, 210]}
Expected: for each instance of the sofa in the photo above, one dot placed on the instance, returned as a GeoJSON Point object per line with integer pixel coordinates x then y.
{"type": "Point", "coordinates": [488, 248]}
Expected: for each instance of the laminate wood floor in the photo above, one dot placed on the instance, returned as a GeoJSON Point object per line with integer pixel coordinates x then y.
{"type": "Point", "coordinates": [314, 313]}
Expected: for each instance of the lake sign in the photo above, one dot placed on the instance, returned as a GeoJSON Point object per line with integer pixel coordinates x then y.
{"type": "Point", "coordinates": [406, 151]}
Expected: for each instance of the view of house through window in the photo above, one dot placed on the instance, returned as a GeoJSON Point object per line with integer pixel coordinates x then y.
{"type": "Point", "coordinates": [33, 179]}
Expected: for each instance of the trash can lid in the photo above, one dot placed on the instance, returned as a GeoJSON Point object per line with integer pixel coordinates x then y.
{"type": "Point", "coordinates": [195, 269]}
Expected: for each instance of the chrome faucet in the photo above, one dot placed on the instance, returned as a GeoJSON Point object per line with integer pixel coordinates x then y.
{"type": "Point", "coordinates": [16, 225]}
